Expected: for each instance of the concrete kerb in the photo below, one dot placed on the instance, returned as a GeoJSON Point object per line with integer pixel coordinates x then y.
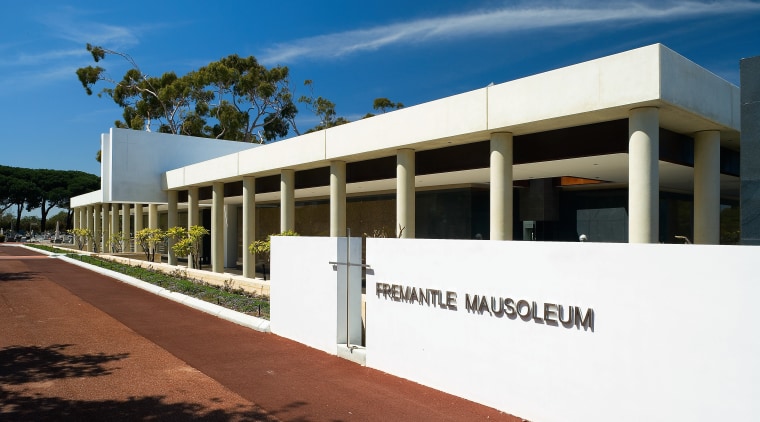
{"type": "Point", "coordinates": [239, 318]}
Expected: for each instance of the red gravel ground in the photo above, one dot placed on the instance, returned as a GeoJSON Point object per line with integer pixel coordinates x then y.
{"type": "Point", "coordinates": [79, 346]}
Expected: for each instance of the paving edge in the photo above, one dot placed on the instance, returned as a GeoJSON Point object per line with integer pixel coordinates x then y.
{"type": "Point", "coordinates": [239, 318]}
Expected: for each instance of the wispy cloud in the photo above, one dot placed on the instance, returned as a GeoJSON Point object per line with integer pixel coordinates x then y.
{"type": "Point", "coordinates": [535, 16]}
{"type": "Point", "coordinates": [79, 27]}
{"type": "Point", "coordinates": [65, 32]}
{"type": "Point", "coordinates": [25, 59]}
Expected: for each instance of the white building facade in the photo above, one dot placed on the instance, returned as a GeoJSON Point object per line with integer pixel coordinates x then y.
{"type": "Point", "coordinates": [617, 149]}
{"type": "Point", "coordinates": [626, 151]}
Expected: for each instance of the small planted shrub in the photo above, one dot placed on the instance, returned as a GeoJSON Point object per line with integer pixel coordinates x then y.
{"type": "Point", "coordinates": [261, 248]}
{"type": "Point", "coordinates": [81, 237]}
{"type": "Point", "coordinates": [149, 240]}
{"type": "Point", "coordinates": [115, 241]}
{"type": "Point", "coordinates": [189, 242]}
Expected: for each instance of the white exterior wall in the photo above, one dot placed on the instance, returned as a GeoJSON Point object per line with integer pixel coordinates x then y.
{"type": "Point", "coordinates": [106, 159]}
{"type": "Point", "coordinates": [679, 78]}
{"type": "Point", "coordinates": [134, 162]}
{"type": "Point", "coordinates": [674, 333]}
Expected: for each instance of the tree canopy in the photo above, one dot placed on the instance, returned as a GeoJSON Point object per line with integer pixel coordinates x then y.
{"type": "Point", "coordinates": [234, 98]}
{"type": "Point", "coordinates": [42, 189]}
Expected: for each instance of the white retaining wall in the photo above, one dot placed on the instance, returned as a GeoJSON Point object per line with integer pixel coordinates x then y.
{"type": "Point", "coordinates": [675, 334]}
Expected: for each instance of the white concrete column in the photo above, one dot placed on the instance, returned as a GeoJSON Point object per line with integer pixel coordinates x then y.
{"type": "Point", "coordinates": [707, 187]}
{"type": "Point", "coordinates": [230, 236]}
{"type": "Point", "coordinates": [405, 193]}
{"type": "Point", "coordinates": [153, 219]}
{"type": "Point", "coordinates": [502, 158]}
{"type": "Point", "coordinates": [152, 216]}
{"type": "Point", "coordinates": [105, 217]}
{"type": "Point", "coordinates": [98, 228]}
{"type": "Point", "coordinates": [153, 224]}
{"type": "Point", "coordinates": [90, 225]}
{"type": "Point", "coordinates": [287, 200]}
{"type": "Point", "coordinates": [217, 228]}
{"type": "Point", "coordinates": [172, 221]}
{"type": "Point", "coordinates": [337, 199]}
{"type": "Point", "coordinates": [193, 217]}
{"type": "Point", "coordinates": [75, 218]}
{"type": "Point", "coordinates": [193, 211]}
{"type": "Point", "coordinates": [249, 225]}
{"type": "Point", "coordinates": [114, 221]}
{"type": "Point", "coordinates": [643, 175]}
{"type": "Point", "coordinates": [126, 228]}
{"type": "Point", "coordinates": [138, 225]}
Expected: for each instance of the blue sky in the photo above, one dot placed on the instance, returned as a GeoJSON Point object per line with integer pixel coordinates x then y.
{"type": "Point", "coordinates": [409, 51]}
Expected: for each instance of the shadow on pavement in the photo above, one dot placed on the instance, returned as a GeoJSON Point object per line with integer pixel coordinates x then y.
{"type": "Point", "coordinates": [24, 364]}
{"type": "Point", "coordinates": [26, 275]}
{"type": "Point", "coordinates": [20, 365]}
{"type": "Point", "coordinates": [20, 407]}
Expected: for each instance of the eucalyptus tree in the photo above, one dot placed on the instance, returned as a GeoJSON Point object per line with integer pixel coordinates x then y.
{"type": "Point", "coordinates": [385, 105]}
{"type": "Point", "coordinates": [323, 108]}
{"type": "Point", "coordinates": [249, 102]}
{"type": "Point", "coordinates": [167, 100]}
{"type": "Point", "coordinates": [235, 98]}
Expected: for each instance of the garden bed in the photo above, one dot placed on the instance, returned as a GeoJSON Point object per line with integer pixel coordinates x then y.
{"type": "Point", "coordinates": [226, 296]}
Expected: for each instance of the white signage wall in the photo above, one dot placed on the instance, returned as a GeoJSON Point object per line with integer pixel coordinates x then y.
{"type": "Point", "coordinates": [308, 291]}
{"type": "Point", "coordinates": [570, 331]}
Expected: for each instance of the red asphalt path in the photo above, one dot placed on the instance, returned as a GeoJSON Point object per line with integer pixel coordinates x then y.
{"type": "Point", "coordinates": [142, 357]}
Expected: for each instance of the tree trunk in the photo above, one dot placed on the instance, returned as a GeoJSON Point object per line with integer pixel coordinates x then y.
{"type": "Point", "coordinates": [44, 210]}
{"type": "Point", "coordinates": [19, 209]}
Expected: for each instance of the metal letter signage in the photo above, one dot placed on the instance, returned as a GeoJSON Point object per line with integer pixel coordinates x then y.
{"type": "Point", "coordinates": [547, 313]}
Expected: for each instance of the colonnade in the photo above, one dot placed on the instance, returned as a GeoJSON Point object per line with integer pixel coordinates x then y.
{"type": "Point", "coordinates": [643, 196]}
{"type": "Point", "coordinates": [102, 220]}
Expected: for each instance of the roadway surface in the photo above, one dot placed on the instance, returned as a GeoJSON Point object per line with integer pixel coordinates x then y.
{"type": "Point", "coordinates": [79, 346]}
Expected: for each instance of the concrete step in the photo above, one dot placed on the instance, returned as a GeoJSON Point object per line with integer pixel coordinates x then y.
{"type": "Point", "coordinates": [356, 354]}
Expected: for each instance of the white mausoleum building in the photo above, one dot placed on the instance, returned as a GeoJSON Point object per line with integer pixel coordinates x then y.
{"type": "Point", "coordinates": [626, 151]}
{"type": "Point", "coordinates": [637, 147]}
